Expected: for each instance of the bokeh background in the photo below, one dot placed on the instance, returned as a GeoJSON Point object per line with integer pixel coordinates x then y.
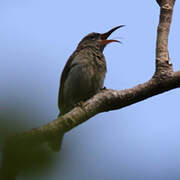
{"type": "Point", "coordinates": [137, 142]}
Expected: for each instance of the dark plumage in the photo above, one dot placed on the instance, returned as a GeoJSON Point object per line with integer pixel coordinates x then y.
{"type": "Point", "coordinates": [84, 73]}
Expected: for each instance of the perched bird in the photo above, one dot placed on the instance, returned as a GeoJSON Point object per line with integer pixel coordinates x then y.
{"type": "Point", "coordinates": [84, 73]}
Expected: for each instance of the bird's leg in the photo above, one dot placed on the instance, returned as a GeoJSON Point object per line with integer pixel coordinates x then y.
{"type": "Point", "coordinates": [79, 104]}
{"type": "Point", "coordinates": [104, 88]}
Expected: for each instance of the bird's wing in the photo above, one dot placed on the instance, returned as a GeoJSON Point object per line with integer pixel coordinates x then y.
{"type": "Point", "coordinates": [69, 64]}
{"type": "Point", "coordinates": [64, 75]}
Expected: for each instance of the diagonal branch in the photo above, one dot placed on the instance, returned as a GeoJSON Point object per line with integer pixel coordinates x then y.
{"type": "Point", "coordinates": [164, 79]}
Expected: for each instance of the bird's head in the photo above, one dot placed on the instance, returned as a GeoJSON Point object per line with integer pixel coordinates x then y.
{"type": "Point", "coordinates": [97, 40]}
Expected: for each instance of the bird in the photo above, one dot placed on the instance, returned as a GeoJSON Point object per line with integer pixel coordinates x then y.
{"type": "Point", "coordinates": [84, 72]}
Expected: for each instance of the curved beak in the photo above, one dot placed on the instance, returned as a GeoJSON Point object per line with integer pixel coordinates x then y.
{"type": "Point", "coordinates": [104, 36]}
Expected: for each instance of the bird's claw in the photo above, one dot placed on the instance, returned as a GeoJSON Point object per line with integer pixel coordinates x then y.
{"type": "Point", "coordinates": [79, 104]}
{"type": "Point", "coordinates": [104, 88]}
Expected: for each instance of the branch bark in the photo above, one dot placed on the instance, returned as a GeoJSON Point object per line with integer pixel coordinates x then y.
{"type": "Point", "coordinates": [164, 79]}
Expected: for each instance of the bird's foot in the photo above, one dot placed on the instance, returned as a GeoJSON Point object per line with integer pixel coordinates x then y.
{"type": "Point", "coordinates": [104, 88]}
{"type": "Point", "coordinates": [79, 104]}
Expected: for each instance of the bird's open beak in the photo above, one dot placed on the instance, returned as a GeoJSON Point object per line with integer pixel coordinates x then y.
{"type": "Point", "coordinates": [104, 36]}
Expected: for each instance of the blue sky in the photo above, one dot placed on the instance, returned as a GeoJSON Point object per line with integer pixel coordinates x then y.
{"type": "Point", "coordinates": [37, 37]}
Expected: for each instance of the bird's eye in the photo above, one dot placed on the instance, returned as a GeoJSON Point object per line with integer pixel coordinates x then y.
{"type": "Point", "coordinates": [93, 37]}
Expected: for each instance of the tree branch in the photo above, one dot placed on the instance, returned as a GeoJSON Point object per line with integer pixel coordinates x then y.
{"type": "Point", "coordinates": [164, 79]}
{"type": "Point", "coordinates": [163, 65]}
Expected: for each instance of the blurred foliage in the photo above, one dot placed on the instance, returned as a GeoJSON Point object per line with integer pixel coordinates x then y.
{"type": "Point", "coordinates": [17, 159]}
